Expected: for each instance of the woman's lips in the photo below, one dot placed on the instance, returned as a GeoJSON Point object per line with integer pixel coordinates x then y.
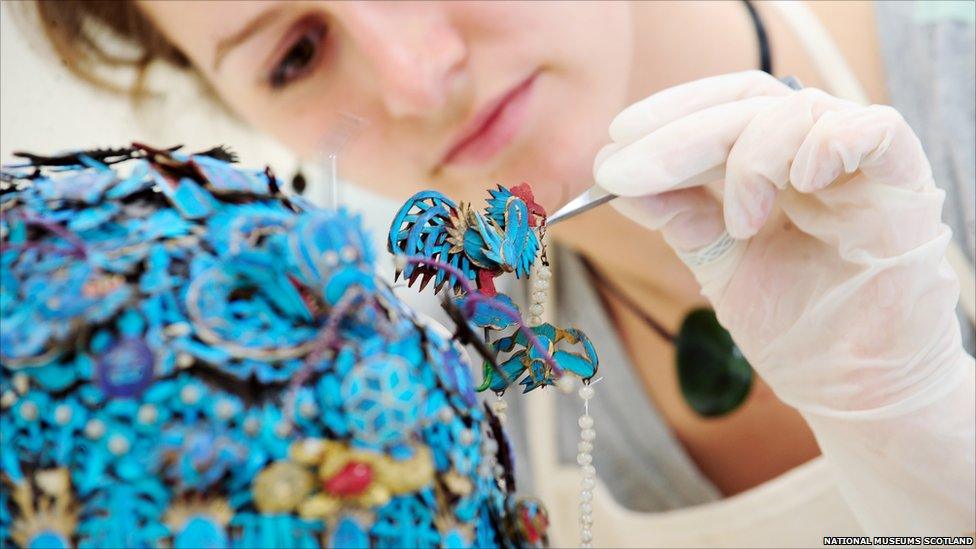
{"type": "Point", "coordinates": [493, 128]}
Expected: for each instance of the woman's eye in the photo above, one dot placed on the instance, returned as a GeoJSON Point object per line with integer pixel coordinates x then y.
{"type": "Point", "coordinates": [300, 57]}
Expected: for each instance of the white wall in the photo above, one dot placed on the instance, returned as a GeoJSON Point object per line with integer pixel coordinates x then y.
{"type": "Point", "coordinates": [44, 108]}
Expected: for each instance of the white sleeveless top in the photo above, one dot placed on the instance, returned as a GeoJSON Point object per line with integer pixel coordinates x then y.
{"type": "Point", "coordinates": [796, 509]}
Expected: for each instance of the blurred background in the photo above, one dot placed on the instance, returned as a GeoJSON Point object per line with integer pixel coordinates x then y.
{"type": "Point", "coordinates": [44, 109]}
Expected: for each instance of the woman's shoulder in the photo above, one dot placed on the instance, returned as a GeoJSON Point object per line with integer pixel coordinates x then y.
{"type": "Point", "coordinates": [854, 28]}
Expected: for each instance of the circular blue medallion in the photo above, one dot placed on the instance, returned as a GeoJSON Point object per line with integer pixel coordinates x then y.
{"type": "Point", "coordinates": [126, 369]}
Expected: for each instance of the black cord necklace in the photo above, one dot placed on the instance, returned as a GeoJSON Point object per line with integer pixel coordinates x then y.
{"type": "Point", "coordinates": [714, 376]}
{"type": "Point", "coordinates": [765, 53]}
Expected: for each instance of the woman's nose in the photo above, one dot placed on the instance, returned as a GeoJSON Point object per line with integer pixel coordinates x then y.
{"type": "Point", "coordinates": [414, 51]}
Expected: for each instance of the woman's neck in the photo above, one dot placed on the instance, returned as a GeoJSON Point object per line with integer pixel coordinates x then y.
{"type": "Point", "coordinates": [674, 42]}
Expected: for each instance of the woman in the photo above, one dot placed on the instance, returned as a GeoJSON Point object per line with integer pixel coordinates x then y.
{"type": "Point", "coordinates": [830, 277]}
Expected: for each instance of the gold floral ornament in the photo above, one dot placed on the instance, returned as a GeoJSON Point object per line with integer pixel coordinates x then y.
{"type": "Point", "coordinates": [281, 486]}
{"type": "Point", "coordinates": [53, 522]}
{"type": "Point", "coordinates": [325, 476]}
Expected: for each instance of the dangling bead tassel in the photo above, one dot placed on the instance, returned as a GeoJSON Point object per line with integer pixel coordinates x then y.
{"type": "Point", "coordinates": [489, 461]}
{"type": "Point", "coordinates": [500, 407]}
{"type": "Point", "coordinates": [539, 276]}
{"type": "Point", "coordinates": [585, 461]}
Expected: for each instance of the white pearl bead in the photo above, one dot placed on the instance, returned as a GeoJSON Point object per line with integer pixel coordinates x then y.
{"type": "Point", "coordinates": [177, 329]}
{"type": "Point", "coordinates": [28, 411]}
{"type": "Point", "coordinates": [282, 429]}
{"type": "Point", "coordinates": [588, 434]}
{"type": "Point", "coordinates": [499, 406]}
{"type": "Point", "coordinates": [586, 520]}
{"type": "Point", "coordinates": [589, 471]}
{"type": "Point", "coordinates": [94, 429]}
{"type": "Point", "coordinates": [446, 414]}
{"type": "Point", "coordinates": [586, 422]}
{"type": "Point", "coordinates": [536, 310]}
{"type": "Point", "coordinates": [584, 459]}
{"type": "Point", "coordinates": [184, 360]}
{"type": "Point", "coordinates": [118, 445]}
{"type": "Point", "coordinates": [313, 446]}
{"type": "Point", "coordinates": [586, 495]}
{"type": "Point", "coordinates": [545, 273]}
{"type": "Point", "coordinates": [499, 470]}
{"type": "Point", "coordinates": [539, 284]}
{"type": "Point", "coordinates": [252, 425]}
{"type": "Point", "coordinates": [467, 437]}
{"type": "Point", "coordinates": [588, 484]}
{"type": "Point", "coordinates": [491, 446]}
{"type": "Point", "coordinates": [8, 399]}
{"type": "Point", "coordinates": [331, 258]}
{"type": "Point", "coordinates": [349, 254]}
{"type": "Point", "coordinates": [308, 409]}
{"type": "Point", "coordinates": [190, 394]}
{"type": "Point", "coordinates": [586, 508]}
{"type": "Point", "coordinates": [584, 446]}
{"type": "Point", "coordinates": [147, 414]}
{"type": "Point", "coordinates": [586, 535]}
{"type": "Point", "coordinates": [566, 383]}
{"type": "Point", "coordinates": [586, 392]}
{"type": "Point", "coordinates": [62, 414]}
{"type": "Point", "coordinates": [535, 320]}
{"type": "Point", "coordinates": [21, 383]}
{"type": "Point", "coordinates": [224, 409]}
{"type": "Point", "coordinates": [539, 297]}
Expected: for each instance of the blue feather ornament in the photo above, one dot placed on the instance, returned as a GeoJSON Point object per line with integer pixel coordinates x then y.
{"type": "Point", "coordinates": [191, 358]}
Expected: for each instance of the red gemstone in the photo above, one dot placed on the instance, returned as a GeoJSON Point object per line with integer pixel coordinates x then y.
{"type": "Point", "coordinates": [534, 525]}
{"type": "Point", "coordinates": [351, 480]}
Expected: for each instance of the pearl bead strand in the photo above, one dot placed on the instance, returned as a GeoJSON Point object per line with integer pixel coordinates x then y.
{"type": "Point", "coordinates": [585, 460]}
{"type": "Point", "coordinates": [500, 408]}
{"type": "Point", "coordinates": [539, 286]}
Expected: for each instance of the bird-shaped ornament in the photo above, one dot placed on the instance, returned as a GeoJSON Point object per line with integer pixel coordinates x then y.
{"type": "Point", "coordinates": [437, 240]}
{"type": "Point", "coordinates": [481, 245]}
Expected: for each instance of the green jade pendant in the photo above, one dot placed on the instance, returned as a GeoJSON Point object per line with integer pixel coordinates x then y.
{"type": "Point", "coordinates": [714, 376]}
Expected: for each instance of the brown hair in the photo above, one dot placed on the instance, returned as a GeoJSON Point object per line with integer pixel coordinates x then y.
{"type": "Point", "coordinates": [75, 30]}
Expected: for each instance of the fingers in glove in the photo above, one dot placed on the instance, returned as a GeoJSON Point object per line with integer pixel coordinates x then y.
{"type": "Point", "coordinates": [606, 152]}
{"type": "Point", "coordinates": [664, 107]}
{"type": "Point", "coordinates": [888, 205]}
{"type": "Point", "coordinates": [874, 139]}
{"type": "Point", "coordinates": [760, 160]}
{"type": "Point", "coordinates": [687, 152]}
{"type": "Point", "coordinates": [687, 218]}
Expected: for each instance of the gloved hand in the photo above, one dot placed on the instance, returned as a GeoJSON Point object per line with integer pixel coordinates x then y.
{"type": "Point", "coordinates": [835, 284]}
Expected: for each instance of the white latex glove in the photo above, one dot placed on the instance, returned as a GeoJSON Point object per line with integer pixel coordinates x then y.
{"type": "Point", "coordinates": [836, 288]}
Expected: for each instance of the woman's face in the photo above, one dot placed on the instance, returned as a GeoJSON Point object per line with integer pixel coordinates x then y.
{"type": "Point", "coordinates": [457, 96]}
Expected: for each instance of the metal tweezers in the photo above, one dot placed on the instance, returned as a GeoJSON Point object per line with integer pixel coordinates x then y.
{"type": "Point", "coordinates": [596, 196]}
